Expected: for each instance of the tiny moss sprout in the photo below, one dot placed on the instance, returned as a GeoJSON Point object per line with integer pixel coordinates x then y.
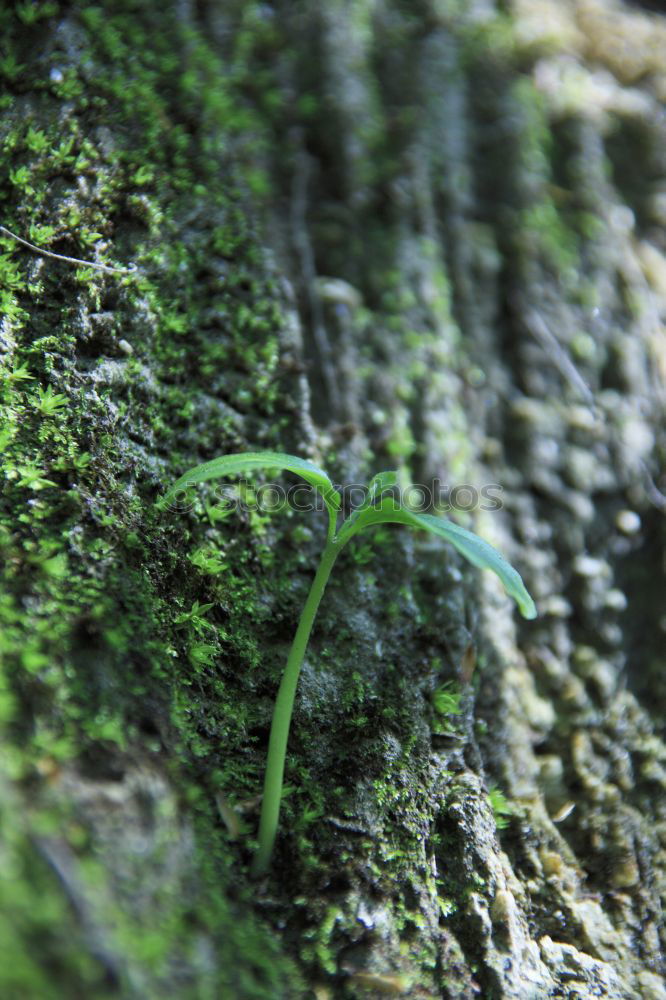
{"type": "Point", "coordinates": [49, 402]}
{"type": "Point", "coordinates": [501, 807]}
{"type": "Point", "coordinates": [379, 507]}
{"type": "Point", "coordinates": [446, 701]}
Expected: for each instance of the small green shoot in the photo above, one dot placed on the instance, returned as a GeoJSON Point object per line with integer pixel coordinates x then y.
{"type": "Point", "coordinates": [446, 701]}
{"type": "Point", "coordinates": [32, 477]}
{"type": "Point", "coordinates": [379, 508]}
{"type": "Point", "coordinates": [202, 654]}
{"type": "Point", "coordinates": [500, 806]}
{"type": "Point", "coordinates": [208, 562]}
{"type": "Point", "coordinates": [49, 402]}
{"type": "Point", "coordinates": [216, 513]}
{"type": "Point", "coordinates": [194, 618]}
{"type": "Point", "coordinates": [20, 374]}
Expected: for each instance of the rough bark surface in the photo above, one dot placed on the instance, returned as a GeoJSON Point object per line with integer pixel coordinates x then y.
{"type": "Point", "coordinates": [422, 235]}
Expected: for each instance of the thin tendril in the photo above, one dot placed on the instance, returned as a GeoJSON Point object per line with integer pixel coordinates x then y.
{"type": "Point", "coordinates": [70, 260]}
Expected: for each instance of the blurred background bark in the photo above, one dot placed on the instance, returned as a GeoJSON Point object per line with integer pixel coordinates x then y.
{"type": "Point", "coordinates": [426, 236]}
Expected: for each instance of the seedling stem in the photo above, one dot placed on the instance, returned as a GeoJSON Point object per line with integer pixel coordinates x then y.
{"type": "Point", "coordinates": [284, 704]}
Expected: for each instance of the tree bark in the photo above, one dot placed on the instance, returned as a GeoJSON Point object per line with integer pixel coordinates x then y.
{"type": "Point", "coordinates": [423, 236]}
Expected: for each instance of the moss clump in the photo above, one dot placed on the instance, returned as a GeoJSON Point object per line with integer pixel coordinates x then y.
{"type": "Point", "coordinates": [108, 386]}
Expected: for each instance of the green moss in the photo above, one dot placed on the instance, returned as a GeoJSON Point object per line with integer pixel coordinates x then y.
{"type": "Point", "coordinates": [100, 636]}
{"type": "Point", "coordinates": [130, 636]}
{"type": "Point", "coordinates": [500, 806]}
{"type": "Point", "coordinates": [544, 230]}
{"type": "Point", "coordinates": [36, 927]}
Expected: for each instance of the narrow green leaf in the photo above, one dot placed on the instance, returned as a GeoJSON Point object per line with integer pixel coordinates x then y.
{"type": "Point", "coordinates": [475, 549]}
{"type": "Point", "coordinates": [230, 465]}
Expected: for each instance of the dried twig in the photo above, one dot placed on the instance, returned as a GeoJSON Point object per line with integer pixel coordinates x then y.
{"type": "Point", "coordinates": [69, 260]}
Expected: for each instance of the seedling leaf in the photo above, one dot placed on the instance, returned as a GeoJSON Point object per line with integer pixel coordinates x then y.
{"type": "Point", "coordinates": [475, 549]}
{"type": "Point", "coordinates": [379, 484]}
{"type": "Point", "coordinates": [229, 465]}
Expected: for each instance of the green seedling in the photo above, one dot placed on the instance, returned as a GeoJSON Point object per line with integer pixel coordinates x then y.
{"type": "Point", "coordinates": [378, 508]}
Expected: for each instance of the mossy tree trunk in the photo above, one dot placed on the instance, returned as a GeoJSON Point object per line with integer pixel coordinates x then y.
{"type": "Point", "coordinates": [424, 236]}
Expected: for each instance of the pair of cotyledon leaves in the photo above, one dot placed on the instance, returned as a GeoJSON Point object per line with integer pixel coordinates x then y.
{"type": "Point", "coordinates": [377, 509]}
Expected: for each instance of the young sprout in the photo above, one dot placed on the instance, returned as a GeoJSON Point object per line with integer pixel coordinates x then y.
{"type": "Point", "coordinates": [378, 508]}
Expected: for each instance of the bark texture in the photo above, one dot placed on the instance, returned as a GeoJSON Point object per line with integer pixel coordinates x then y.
{"type": "Point", "coordinates": [426, 236]}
